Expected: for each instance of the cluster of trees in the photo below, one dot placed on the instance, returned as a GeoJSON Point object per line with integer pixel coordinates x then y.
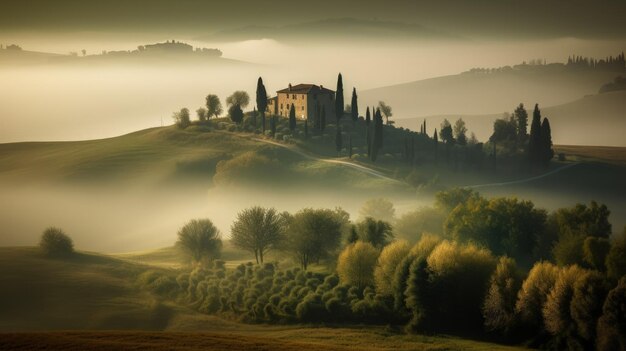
{"type": "Point", "coordinates": [55, 242]}
{"type": "Point", "coordinates": [512, 135]}
{"type": "Point", "coordinates": [497, 267]}
{"type": "Point", "coordinates": [235, 103]}
{"type": "Point", "coordinates": [610, 62]}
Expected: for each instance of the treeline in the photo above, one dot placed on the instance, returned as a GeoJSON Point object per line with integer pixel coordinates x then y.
{"type": "Point", "coordinates": [575, 62]}
{"type": "Point", "coordinates": [500, 268]}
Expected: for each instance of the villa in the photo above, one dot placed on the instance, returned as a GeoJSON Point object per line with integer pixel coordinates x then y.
{"type": "Point", "coordinates": [306, 98]}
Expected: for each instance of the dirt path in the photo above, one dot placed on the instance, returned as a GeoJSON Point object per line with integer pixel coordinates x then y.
{"type": "Point", "coordinates": [306, 155]}
{"type": "Point", "coordinates": [525, 180]}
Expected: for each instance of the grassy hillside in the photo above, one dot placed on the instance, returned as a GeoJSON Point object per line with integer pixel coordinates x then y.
{"type": "Point", "coordinates": [596, 119]}
{"type": "Point", "coordinates": [95, 292]}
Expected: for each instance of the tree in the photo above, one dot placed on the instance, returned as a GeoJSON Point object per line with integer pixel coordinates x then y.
{"type": "Point", "coordinates": [292, 118]}
{"type": "Point", "coordinates": [595, 251]}
{"type": "Point", "coordinates": [375, 232]}
{"type": "Point", "coordinates": [417, 292]}
{"type": "Point", "coordinates": [377, 135]}
{"type": "Point", "coordinates": [546, 143]}
{"type": "Point", "coordinates": [534, 141]}
{"type": "Point", "coordinates": [446, 133]}
{"type": "Point", "coordinates": [257, 230]}
{"type": "Point", "coordinates": [386, 111]}
{"type": "Point", "coordinates": [213, 105]}
{"type": "Point", "coordinates": [504, 133]}
{"type": "Point", "coordinates": [313, 234]}
{"type": "Point", "coordinates": [378, 208]}
{"type": "Point", "coordinates": [339, 99]}
{"type": "Point", "coordinates": [273, 126]}
{"type": "Point", "coordinates": [388, 261]}
{"type": "Point", "coordinates": [181, 118]}
{"type": "Point", "coordinates": [460, 131]}
{"type": "Point", "coordinates": [240, 98]}
{"type": "Point", "coordinates": [235, 113]}
{"type": "Point", "coordinates": [353, 236]}
{"type": "Point", "coordinates": [202, 114]}
{"type": "Point", "coordinates": [521, 117]}
{"type": "Point", "coordinates": [616, 259]}
{"type": "Point", "coordinates": [499, 305]}
{"type": "Point", "coordinates": [354, 107]}
{"type": "Point", "coordinates": [338, 141]}
{"type": "Point", "coordinates": [306, 129]}
{"type": "Point", "coordinates": [323, 119]}
{"type": "Point", "coordinates": [356, 263]}
{"type": "Point", "coordinates": [55, 243]}
{"type": "Point", "coordinates": [612, 324]}
{"type": "Point", "coordinates": [436, 145]}
{"type": "Point", "coordinates": [534, 293]}
{"type": "Point", "coordinates": [590, 291]}
{"type": "Point", "coordinates": [200, 240]}
{"type": "Point", "coordinates": [261, 100]}
{"type": "Point", "coordinates": [556, 311]}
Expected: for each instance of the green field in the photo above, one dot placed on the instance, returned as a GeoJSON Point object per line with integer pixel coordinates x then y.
{"type": "Point", "coordinates": [93, 294]}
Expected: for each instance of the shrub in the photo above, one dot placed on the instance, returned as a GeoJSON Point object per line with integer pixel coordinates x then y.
{"type": "Point", "coordinates": [54, 242]}
{"type": "Point", "coordinates": [590, 291]}
{"type": "Point", "coordinates": [425, 245]}
{"type": "Point", "coordinates": [388, 261]}
{"type": "Point", "coordinates": [595, 251]}
{"type": "Point", "coordinates": [356, 264]}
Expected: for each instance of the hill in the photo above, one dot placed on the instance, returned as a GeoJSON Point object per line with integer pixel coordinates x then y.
{"type": "Point", "coordinates": [493, 93]}
{"type": "Point", "coordinates": [92, 292]}
{"type": "Point", "coordinates": [597, 119]}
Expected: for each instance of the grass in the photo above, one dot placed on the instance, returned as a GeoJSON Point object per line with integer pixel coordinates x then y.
{"type": "Point", "coordinates": [96, 297]}
{"type": "Point", "coordinates": [607, 154]}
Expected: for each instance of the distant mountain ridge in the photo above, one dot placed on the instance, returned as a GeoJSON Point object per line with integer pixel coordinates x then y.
{"type": "Point", "coordinates": [331, 29]}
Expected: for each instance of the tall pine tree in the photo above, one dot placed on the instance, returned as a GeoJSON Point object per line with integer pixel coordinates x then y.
{"type": "Point", "coordinates": [546, 143]}
{"type": "Point", "coordinates": [261, 100]}
{"type": "Point", "coordinates": [292, 118]}
{"type": "Point", "coordinates": [355, 106]}
{"type": "Point", "coordinates": [339, 99]}
{"type": "Point", "coordinates": [534, 141]}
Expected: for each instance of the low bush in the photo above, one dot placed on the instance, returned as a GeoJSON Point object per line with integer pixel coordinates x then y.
{"type": "Point", "coordinates": [55, 243]}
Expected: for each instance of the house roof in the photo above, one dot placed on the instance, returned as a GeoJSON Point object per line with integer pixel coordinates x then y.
{"type": "Point", "coordinates": [306, 89]}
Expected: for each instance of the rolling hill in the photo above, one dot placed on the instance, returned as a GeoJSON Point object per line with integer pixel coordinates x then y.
{"type": "Point", "coordinates": [486, 93]}
{"type": "Point", "coordinates": [598, 120]}
{"type": "Point", "coordinates": [98, 297]}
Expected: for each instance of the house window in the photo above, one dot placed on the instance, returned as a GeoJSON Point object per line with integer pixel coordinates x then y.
{"type": "Point", "coordinates": [293, 96]}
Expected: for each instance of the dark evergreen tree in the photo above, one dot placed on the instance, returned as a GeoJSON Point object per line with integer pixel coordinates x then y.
{"type": "Point", "coordinates": [534, 141]}
{"type": "Point", "coordinates": [436, 144]}
{"type": "Point", "coordinates": [377, 135]}
{"type": "Point", "coordinates": [521, 119]}
{"type": "Point", "coordinates": [235, 113]}
{"type": "Point", "coordinates": [273, 125]}
{"type": "Point", "coordinates": [292, 118]}
{"type": "Point", "coordinates": [323, 119]}
{"type": "Point", "coordinates": [338, 141]}
{"type": "Point", "coordinates": [353, 236]}
{"type": "Point", "coordinates": [546, 143]}
{"type": "Point", "coordinates": [317, 122]}
{"type": "Point", "coordinates": [368, 117]}
{"type": "Point", "coordinates": [354, 105]}
{"type": "Point", "coordinates": [261, 100]}
{"type": "Point", "coordinates": [339, 99]}
{"type": "Point", "coordinates": [306, 129]}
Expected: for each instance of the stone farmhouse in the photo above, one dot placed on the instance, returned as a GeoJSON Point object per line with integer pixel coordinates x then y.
{"type": "Point", "coordinates": [306, 99]}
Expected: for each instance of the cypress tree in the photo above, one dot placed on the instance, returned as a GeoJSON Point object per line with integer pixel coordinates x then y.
{"type": "Point", "coordinates": [261, 100]}
{"type": "Point", "coordinates": [323, 119]}
{"type": "Point", "coordinates": [339, 99]}
{"type": "Point", "coordinates": [306, 129]}
{"type": "Point", "coordinates": [368, 117]}
{"type": "Point", "coordinates": [338, 141]}
{"type": "Point", "coordinates": [436, 144]}
{"type": "Point", "coordinates": [368, 133]}
{"type": "Point", "coordinates": [317, 122]}
{"type": "Point", "coordinates": [354, 105]}
{"type": "Point", "coordinates": [521, 117]}
{"type": "Point", "coordinates": [546, 143]}
{"type": "Point", "coordinates": [534, 141]}
{"type": "Point", "coordinates": [273, 125]}
{"type": "Point", "coordinates": [377, 135]}
{"type": "Point", "coordinates": [424, 125]}
{"type": "Point", "coordinates": [292, 118]}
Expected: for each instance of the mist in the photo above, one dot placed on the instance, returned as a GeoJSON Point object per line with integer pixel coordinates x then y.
{"type": "Point", "coordinates": [75, 101]}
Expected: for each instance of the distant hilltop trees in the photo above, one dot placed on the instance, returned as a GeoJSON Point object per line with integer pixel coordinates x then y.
{"type": "Point", "coordinates": [610, 63]}
{"type": "Point", "coordinates": [12, 47]}
{"type": "Point", "coordinates": [168, 47]}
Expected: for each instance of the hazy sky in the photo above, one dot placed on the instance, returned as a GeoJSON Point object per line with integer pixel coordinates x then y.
{"type": "Point", "coordinates": [475, 18]}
